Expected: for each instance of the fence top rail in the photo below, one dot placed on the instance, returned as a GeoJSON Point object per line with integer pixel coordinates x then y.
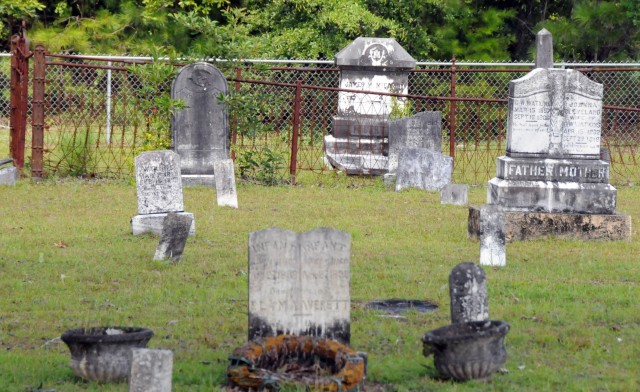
{"type": "Point", "coordinates": [331, 62]}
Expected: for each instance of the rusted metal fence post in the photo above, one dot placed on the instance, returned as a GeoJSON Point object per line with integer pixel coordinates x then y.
{"type": "Point", "coordinates": [19, 97]}
{"type": "Point", "coordinates": [37, 112]}
{"type": "Point", "coordinates": [296, 129]}
{"type": "Point", "coordinates": [452, 111]}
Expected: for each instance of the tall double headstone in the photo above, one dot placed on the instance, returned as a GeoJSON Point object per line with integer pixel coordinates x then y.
{"type": "Point", "coordinates": [358, 143]}
{"type": "Point", "coordinates": [159, 190]}
{"type": "Point", "coordinates": [299, 283]}
{"type": "Point", "coordinates": [552, 162]}
{"type": "Point", "coordinates": [200, 133]}
{"type": "Point", "coordinates": [551, 180]}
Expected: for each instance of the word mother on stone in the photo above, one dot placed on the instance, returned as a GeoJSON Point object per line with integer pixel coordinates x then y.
{"type": "Point", "coordinates": [554, 113]}
{"type": "Point", "coordinates": [299, 283]}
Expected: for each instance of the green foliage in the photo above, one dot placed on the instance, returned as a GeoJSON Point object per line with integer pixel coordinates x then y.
{"type": "Point", "coordinates": [399, 108]}
{"type": "Point", "coordinates": [156, 107]}
{"type": "Point", "coordinates": [15, 10]}
{"type": "Point", "coordinates": [78, 154]}
{"type": "Point", "coordinates": [263, 165]}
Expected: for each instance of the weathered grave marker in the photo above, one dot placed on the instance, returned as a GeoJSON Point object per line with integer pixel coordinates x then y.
{"type": "Point", "coordinates": [424, 130]}
{"type": "Point", "coordinates": [423, 169]}
{"type": "Point", "coordinates": [457, 194]}
{"type": "Point", "coordinates": [299, 283]}
{"type": "Point", "coordinates": [359, 140]}
{"type": "Point", "coordinates": [175, 230]}
{"type": "Point", "coordinates": [200, 133]}
{"type": "Point", "coordinates": [151, 370]}
{"type": "Point", "coordinates": [8, 175]}
{"type": "Point", "coordinates": [468, 293]}
{"type": "Point", "coordinates": [492, 236]}
{"type": "Point", "coordinates": [226, 183]}
{"type": "Point", "coordinates": [159, 190]}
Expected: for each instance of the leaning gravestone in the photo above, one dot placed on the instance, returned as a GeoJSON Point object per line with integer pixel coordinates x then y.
{"type": "Point", "coordinates": [226, 183]}
{"type": "Point", "coordinates": [358, 143]}
{"type": "Point", "coordinates": [175, 230]}
{"type": "Point", "coordinates": [159, 190]}
{"type": "Point", "coordinates": [299, 283]}
{"type": "Point", "coordinates": [552, 166]}
{"type": "Point", "coordinates": [423, 169]}
{"type": "Point", "coordinates": [468, 293]}
{"type": "Point", "coordinates": [200, 133]}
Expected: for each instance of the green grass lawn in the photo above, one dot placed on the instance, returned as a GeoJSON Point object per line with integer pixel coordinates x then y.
{"type": "Point", "coordinates": [68, 259]}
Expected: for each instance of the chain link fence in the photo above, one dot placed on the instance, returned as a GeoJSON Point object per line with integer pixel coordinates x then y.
{"type": "Point", "coordinates": [96, 114]}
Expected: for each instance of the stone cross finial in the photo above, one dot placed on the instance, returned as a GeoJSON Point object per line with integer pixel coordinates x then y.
{"type": "Point", "coordinates": [544, 49]}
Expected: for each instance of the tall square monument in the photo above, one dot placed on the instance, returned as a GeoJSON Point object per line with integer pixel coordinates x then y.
{"type": "Point", "coordinates": [359, 142]}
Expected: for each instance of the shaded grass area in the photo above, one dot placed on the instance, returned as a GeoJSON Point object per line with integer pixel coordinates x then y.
{"type": "Point", "coordinates": [67, 259]}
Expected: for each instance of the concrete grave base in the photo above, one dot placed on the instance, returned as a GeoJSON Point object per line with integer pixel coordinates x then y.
{"type": "Point", "coordinates": [551, 196]}
{"type": "Point", "coordinates": [199, 180]}
{"type": "Point", "coordinates": [152, 223]}
{"type": "Point", "coordinates": [522, 226]}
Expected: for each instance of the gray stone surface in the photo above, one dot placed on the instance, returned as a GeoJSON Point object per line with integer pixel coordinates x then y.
{"type": "Point", "coordinates": [226, 184]}
{"type": "Point", "coordinates": [544, 49]}
{"type": "Point", "coordinates": [468, 293]}
{"type": "Point", "coordinates": [299, 283]}
{"type": "Point", "coordinates": [200, 133]}
{"type": "Point", "coordinates": [151, 370]}
{"type": "Point", "coordinates": [492, 236]}
{"type": "Point", "coordinates": [423, 169]}
{"type": "Point", "coordinates": [552, 196]}
{"type": "Point", "coordinates": [361, 127]}
{"type": "Point", "coordinates": [152, 223]}
{"type": "Point", "coordinates": [424, 130]}
{"type": "Point", "coordinates": [158, 182]}
{"type": "Point", "coordinates": [554, 113]}
{"type": "Point", "coordinates": [522, 226]}
{"type": "Point", "coordinates": [175, 230]}
{"type": "Point", "coordinates": [457, 194]}
{"type": "Point", "coordinates": [559, 170]}
{"type": "Point", "coordinates": [8, 175]}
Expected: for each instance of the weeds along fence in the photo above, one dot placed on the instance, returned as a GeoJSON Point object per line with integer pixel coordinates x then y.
{"type": "Point", "coordinates": [90, 115]}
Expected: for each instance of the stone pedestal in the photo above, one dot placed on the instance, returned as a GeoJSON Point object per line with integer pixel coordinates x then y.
{"type": "Point", "coordinates": [521, 226]}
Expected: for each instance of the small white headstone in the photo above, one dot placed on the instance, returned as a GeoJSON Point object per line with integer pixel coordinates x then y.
{"type": "Point", "coordinates": [158, 182]}
{"type": "Point", "coordinates": [492, 236]}
{"type": "Point", "coordinates": [226, 183]}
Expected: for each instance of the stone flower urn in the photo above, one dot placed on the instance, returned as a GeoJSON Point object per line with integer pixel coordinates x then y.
{"type": "Point", "coordinates": [103, 354]}
{"type": "Point", "coordinates": [472, 350]}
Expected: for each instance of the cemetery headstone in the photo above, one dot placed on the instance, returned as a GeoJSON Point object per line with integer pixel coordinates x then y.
{"type": "Point", "coordinates": [299, 283]}
{"type": "Point", "coordinates": [358, 143]}
{"type": "Point", "coordinates": [468, 293]}
{"type": "Point", "coordinates": [200, 133]}
{"type": "Point", "coordinates": [159, 190]}
{"type": "Point", "coordinates": [457, 194]}
{"type": "Point", "coordinates": [151, 370]}
{"type": "Point", "coordinates": [226, 183]}
{"type": "Point", "coordinates": [175, 230]}
{"type": "Point", "coordinates": [8, 175]}
{"type": "Point", "coordinates": [424, 130]}
{"type": "Point", "coordinates": [423, 169]}
{"type": "Point", "coordinates": [552, 162]}
{"type": "Point", "coordinates": [492, 236]}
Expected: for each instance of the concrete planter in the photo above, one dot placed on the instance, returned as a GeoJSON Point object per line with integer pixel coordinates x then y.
{"type": "Point", "coordinates": [468, 351]}
{"type": "Point", "coordinates": [103, 354]}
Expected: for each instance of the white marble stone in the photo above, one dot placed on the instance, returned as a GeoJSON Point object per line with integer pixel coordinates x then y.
{"type": "Point", "coordinates": [226, 194]}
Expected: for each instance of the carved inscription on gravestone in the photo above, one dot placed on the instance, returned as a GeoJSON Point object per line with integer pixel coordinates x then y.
{"type": "Point", "coordinates": [554, 113]}
{"type": "Point", "coordinates": [200, 133]}
{"type": "Point", "coordinates": [423, 169]}
{"type": "Point", "coordinates": [299, 283]}
{"type": "Point", "coordinates": [158, 182]}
